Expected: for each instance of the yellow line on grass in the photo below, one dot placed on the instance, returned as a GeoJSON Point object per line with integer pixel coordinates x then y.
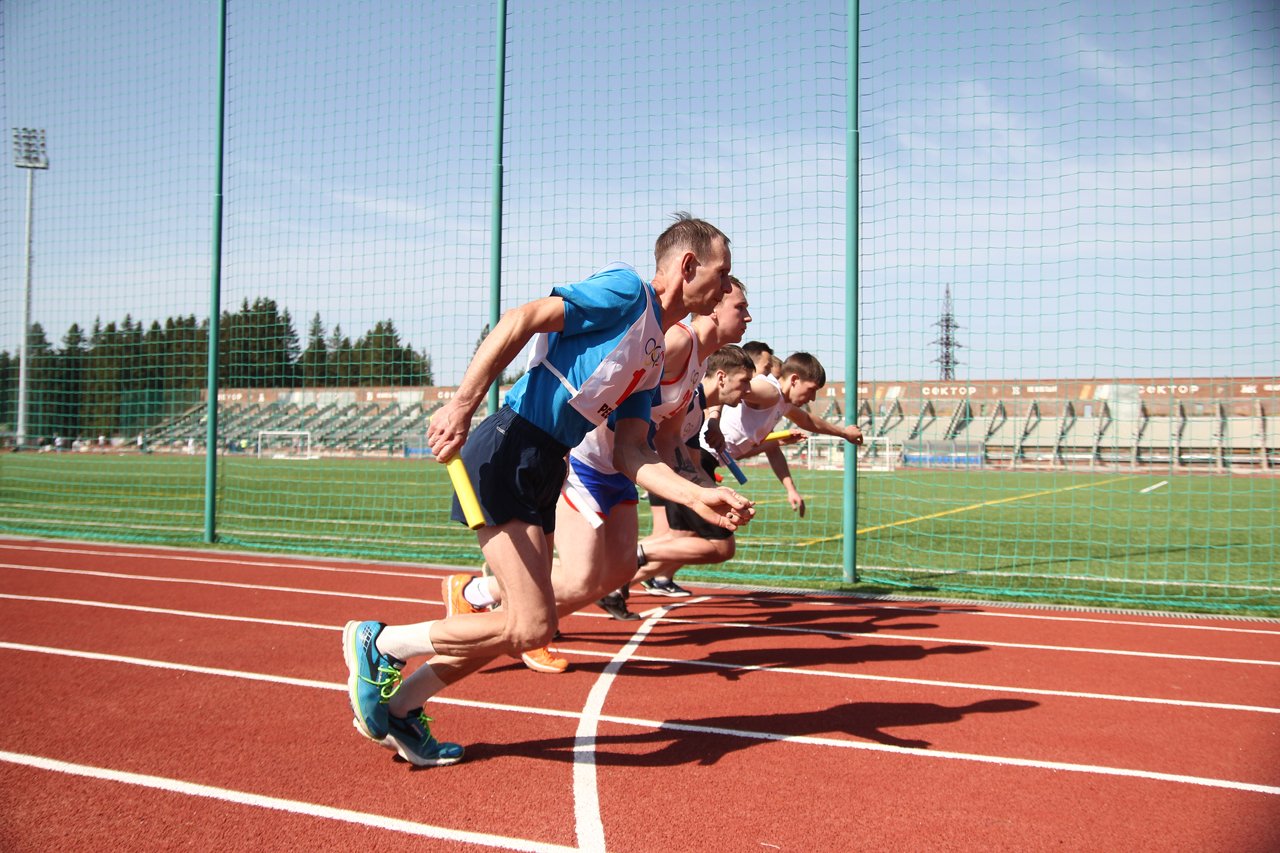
{"type": "Point", "coordinates": [1027, 496]}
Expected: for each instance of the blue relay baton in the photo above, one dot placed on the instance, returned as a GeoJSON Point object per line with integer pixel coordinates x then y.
{"type": "Point", "coordinates": [732, 466]}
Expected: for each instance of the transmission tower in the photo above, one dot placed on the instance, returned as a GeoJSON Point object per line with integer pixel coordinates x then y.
{"type": "Point", "coordinates": [946, 341]}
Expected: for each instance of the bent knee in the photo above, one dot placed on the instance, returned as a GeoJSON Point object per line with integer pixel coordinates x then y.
{"type": "Point", "coordinates": [725, 549]}
{"type": "Point", "coordinates": [530, 634]}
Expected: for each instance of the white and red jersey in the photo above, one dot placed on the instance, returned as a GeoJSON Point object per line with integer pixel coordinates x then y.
{"type": "Point", "coordinates": [744, 427]}
{"type": "Point", "coordinates": [677, 390]}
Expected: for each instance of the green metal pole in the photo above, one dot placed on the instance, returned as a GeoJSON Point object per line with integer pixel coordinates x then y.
{"type": "Point", "coordinates": [851, 260]}
{"type": "Point", "coordinates": [215, 301]}
{"type": "Point", "coordinates": [495, 246]}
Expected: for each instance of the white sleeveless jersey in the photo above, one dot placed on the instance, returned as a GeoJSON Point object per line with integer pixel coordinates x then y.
{"type": "Point", "coordinates": [677, 391]}
{"type": "Point", "coordinates": [596, 449]}
{"type": "Point", "coordinates": [634, 364]}
{"type": "Point", "coordinates": [744, 427]}
{"type": "Point", "coordinates": [693, 416]}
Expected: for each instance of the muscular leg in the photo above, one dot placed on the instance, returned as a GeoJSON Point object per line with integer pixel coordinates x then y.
{"type": "Point", "coordinates": [519, 554]}
{"type": "Point", "coordinates": [678, 548]}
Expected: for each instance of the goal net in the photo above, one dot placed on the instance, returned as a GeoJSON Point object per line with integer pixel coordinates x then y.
{"type": "Point", "coordinates": [879, 454]}
{"type": "Point", "coordinates": [284, 444]}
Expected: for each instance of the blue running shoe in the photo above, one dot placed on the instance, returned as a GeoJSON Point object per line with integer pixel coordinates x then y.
{"type": "Point", "coordinates": [411, 737]}
{"type": "Point", "coordinates": [374, 677]}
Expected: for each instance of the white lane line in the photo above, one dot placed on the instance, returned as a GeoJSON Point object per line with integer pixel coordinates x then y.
{"type": "Point", "coordinates": [682, 727]}
{"type": "Point", "coordinates": [219, 559]}
{"type": "Point", "coordinates": [245, 798]}
{"type": "Point", "coordinates": [227, 584]}
{"type": "Point", "coordinates": [868, 637]}
{"type": "Point", "coordinates": [809, 672]}
{"type": "Point", "coordinates": [853, 602]}
{"type": "Point", "coordinates": [435, 572]}
{"type": "Point", "coordinates": [166, 611]}
{"type": "Point", "coordinates": [877, 636]}
{"type": "Point", "coordinates": [929, 682]}
{"type": "Point", "coordinates": [1149, 489]}
{"type": "Point", "coordinates": [586, 793]}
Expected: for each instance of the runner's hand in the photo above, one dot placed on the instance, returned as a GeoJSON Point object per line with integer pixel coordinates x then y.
{"type": "Point", "coordinates": [448, 431]}
{"type": "Point", "coordinates": [723, 507]}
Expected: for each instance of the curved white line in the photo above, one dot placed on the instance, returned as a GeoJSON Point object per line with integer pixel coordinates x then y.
{"type": "Point", "coordinates": [586, 794]}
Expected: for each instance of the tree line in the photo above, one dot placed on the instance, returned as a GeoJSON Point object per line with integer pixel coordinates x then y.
{"type": "Point", "coordinates": [120, 379]}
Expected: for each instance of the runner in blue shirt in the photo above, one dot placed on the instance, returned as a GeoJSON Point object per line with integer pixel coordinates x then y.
{"type": "Point", "coordinates": [598, 357]}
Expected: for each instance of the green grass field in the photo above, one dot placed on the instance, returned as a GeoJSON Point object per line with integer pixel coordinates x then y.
{"type": "Point", "coordinates": [1197, 542]}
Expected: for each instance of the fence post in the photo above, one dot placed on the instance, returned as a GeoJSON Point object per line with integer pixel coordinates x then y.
{"type": "Point", "coordinates": [215, 300]}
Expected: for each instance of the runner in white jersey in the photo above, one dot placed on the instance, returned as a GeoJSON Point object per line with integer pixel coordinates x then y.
{"type": "Point", "coordinates": [598, 349]}
{"type": "Point", "coordinates": [680, 538]}
{"type": "Point", "coordinates": [745, 426]}
{"type": "Point", "coordinates": [724, 326]}
{"type": "Point", "coordinates": [597, 505]}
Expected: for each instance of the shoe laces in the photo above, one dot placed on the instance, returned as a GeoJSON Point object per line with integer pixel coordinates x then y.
{"type": "Point", "coordinates": [425, 722]}
{"type": "Point", "coordinates": [387, 684]}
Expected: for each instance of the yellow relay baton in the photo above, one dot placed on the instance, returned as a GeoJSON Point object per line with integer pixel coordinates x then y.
{"type": "Point", "coordinates": [466, 493]}
{"type": "Point", "coordinates": [778, 436]}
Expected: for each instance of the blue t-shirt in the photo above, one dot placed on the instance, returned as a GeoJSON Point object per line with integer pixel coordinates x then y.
{"type": "Point", "coordinates": [597, 313]}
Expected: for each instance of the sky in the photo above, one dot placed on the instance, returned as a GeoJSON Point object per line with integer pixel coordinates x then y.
{"type": "Point", "coordinates": [1096, 182]}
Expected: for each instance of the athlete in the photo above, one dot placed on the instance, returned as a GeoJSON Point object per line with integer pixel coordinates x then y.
{"type": "Point", "coordinates": [597, 357]}
{"type": "Point", "coordinates": [682, 538]}
{"type": "Point", "coordinates": [746, 425]}
{"type": "Point", "coordinates": [597, 513]}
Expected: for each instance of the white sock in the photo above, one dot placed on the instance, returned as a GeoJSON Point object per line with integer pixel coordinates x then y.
{"type": "Point", "coordinates": [477, 593]}
{"type": "Point", "coordinates": [421, 685]}
{"type": "Point", "coordinates": [406, 641]}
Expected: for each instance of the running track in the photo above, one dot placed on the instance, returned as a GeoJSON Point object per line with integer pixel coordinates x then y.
{"type": "Point", "coordinates": [162, 699]}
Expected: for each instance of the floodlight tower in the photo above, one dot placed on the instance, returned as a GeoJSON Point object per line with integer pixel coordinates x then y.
{"type": "Point", "coordinates": [946, 341]}
{"type": "Point", "coordinates": [29, 153]}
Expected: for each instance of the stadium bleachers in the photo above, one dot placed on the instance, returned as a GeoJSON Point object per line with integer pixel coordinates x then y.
{"type": "Point", "coordinates": [1016, 433]}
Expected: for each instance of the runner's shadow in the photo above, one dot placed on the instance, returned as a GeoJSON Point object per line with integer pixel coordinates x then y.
{"type": "Point", "coordinates": [705, 741]}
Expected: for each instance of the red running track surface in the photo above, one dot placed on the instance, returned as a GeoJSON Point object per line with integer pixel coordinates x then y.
{"type": "Point", "coordinates": [163, 699]}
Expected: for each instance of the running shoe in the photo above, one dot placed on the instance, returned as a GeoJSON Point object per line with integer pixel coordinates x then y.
{"type": "Point", "coordinates": [411, 737]}
{"type": "Point", "coordinates": [616, 606]}
{"type": "Point", "coordinates": [653, 587]}
{"type": "Point", "coordinates": [373, 678]}
{"type": "Point", "coordinates": [451, 589]}
{"type": "Point", "coordinates": [671, 589]}
{"type": "Point", "coordinates": [542, 660]}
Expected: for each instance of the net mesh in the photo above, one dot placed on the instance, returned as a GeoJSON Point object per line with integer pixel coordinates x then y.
{"type": "Point", "coordinates": [1066, 275]}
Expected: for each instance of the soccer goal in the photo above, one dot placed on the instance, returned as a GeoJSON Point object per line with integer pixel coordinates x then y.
{"type": "Point", "coordinates": [824, 453]}
{"type": "Point", "coordinates": [879, 454]}
{"type": "Point", "coordinates": [284, 444]}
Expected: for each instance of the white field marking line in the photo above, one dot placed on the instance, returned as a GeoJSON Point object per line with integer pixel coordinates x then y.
{"type": "Point", "coordinates": [876, 636]}
{"type": "Point", "coordinates": [1153, 488]}
{"type": "Point", "coordinates": [245, 798]}
{"type": "Point", "coordinates": [686, 727]}
{"type": "Point", "coordinates": [195, 514]}
{"type": "Point", "coordinates": [808, 672]}
{"type": "Point", "coordinates": [212, 557]}
{"type": "Point", "coordinates": [867, 574]}
{"type": "Point", "coordinates": [589, 827]}
{"type": "Point", "coordinates": [929, 682]}
{"type": "Point", "coordinates": [855, 603]}
{"type": "Point", "coordinates": [229, 584]}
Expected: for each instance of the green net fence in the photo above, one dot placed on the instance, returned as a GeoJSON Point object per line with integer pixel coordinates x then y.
{"type": "Point", "coordinates": [1065, 273]}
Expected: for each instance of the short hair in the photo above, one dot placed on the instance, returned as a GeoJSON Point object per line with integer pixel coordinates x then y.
{"type": "Point", "coordinates": [754, 348]}
{"type": "Point", "coordinates": [730, 359]}
{"type": "Point", "coordinates": [686, 232]}
{"type": "Point", "coordinates": [737, 282]}
{"type": "Point", "coordinates": [806, 367]}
